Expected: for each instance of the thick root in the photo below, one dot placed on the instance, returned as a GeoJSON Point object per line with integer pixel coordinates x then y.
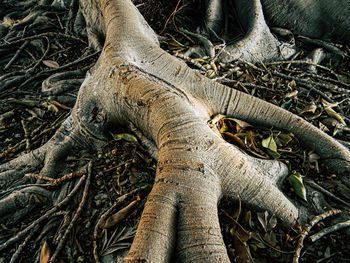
{"type": "Point", "coordinates": [258, 44]}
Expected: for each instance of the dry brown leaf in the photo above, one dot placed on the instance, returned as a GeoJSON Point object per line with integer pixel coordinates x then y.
{"type": "Point", "coordinates": [51, 64]}
{"type": "Point", "coordinates": [241, 123]}
{"type": "Point", "coordinates": [121, 215]}
{"type": "Point", "coordinates": [292, 94]}
{"type": "Point", "coordinates": [234, 138]}
{"type": "Point", "coordinates": [309, 109]}
{"type": "Point", "coordinates": [45, 253]}
{"type": "Point", "coordinates": [242, 251]}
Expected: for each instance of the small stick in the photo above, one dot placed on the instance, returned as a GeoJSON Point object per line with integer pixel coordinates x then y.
{"type": "Point", "coordinates": [251, 85]}
{"type": "Point", "coordinates": [43, 56]}
{"type": "Point", "coordinates": [305, 84]}
{"type": "Point", "coordinates": [326, 192]}
{"type": "Point", "coordinates": [190, 60]}
{"type": "Point", "coordinates": [44, 217]}
{"type": "Point", "coordinates": [171, 15]}
{"type": "Point", "coordinates": [76, 216]}
{"type": "Point", "coordinates": [329, 230]}
{"type": "Point", "coordinates": [310, 82]}
{"type": "Point", "coordinates": [26, 135]}
{"type": "Point", "coordinates": [303, 62]}
{"type": "Point", "coordinates": [54, 34]}
{"type": "Point", "coordinates": [20, 248]}
{"type": "Point", "coordinates": [62, 179]}
{"type": "Point", "coordinates": [307, 228]}
{"type": "Point", "coordinates": [16, 55]}
{"type": "Point", "coordinates": [244, 61]}
{"type": "Point", "coordinates": [51, 71]}
{"type": "Point", "coordinates": [328, 79]}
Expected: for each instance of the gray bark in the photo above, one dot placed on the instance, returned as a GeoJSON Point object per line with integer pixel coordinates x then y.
{"type": "Point", "coordinates": [136, 83]}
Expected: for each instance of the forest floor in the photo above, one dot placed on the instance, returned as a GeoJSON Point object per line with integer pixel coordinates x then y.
{"type": "Point", "coordinates": [28, 118]}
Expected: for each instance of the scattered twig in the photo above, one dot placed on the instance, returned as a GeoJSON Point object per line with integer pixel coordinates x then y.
{"type": "Point", "coordinates": [51, 71]}
{"type": "Point", "coordinates": [310, 82]}
{"type": "Point", "coordinates": [329, 230]}
{"type": "Point", "coordinates": [43, 56]}
{"type": "Point", "coordinates": [52, 34]}
{"type": "Point", "coordinates": [244, 61]}
{"type": "Point", "coordinates": [171, 15]}
{"type": "Point", "coordinates": [20, 248]}
{"type": "Point", "coordinates": [233, 81]}
{"type": "Point", "coordinates": [307, 228]}
{"type": "Point", "coordinates": [191, 61]}
{"type": "Point", "coordinates": [338, 82]}
{"type": "Point", "coordinates": [17, 54]}
{"type": "Point", "coordinates": [326, 192]}
{"type": "Point", "coordinates": [44, 217]}
{"type": "Point", "coordinates": [305, 83]}
{"type": "Point", "coordinates": [62, 179]}
{"type": "Point", "coordinates": [271, 246]}
{"type": "Point", "coordinates": [76, 216]}
{"type": "Point", "coordinates": [303, 62]}
{"type": "Point", "coordinates": [21, 145]}
{"type": "Point", "coordinates": [121, 215]}
{"type": "Point", "coordinates": [26, 135]}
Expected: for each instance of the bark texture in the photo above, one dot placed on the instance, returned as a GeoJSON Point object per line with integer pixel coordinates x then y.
{"type": "Point", "coordinates": [137, 84]}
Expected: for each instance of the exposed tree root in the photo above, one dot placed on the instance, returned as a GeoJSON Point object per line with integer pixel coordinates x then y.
{"type": "Point", "coordinates": [137, 84]}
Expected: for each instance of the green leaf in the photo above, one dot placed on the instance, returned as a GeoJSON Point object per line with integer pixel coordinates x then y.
{"type": "Point", "coordinates": [296, 181]}
{"type": "Point", "coordinates": [273, 154]}
{"type": "Point", "coordinates": [335, 115]}
{"type": "Point", "coordinates": [286, 105]}
{"type": "Point", "coordinates": [125, 136]}
{"type": "Point", "coordinates": [270, 143]}
{"type": "Point", "coordinates": [224, 128]}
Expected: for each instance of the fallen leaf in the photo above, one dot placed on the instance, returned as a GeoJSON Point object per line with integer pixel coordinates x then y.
{"type": "Point", "coordinates": [309, 109]}
{"type": "Point", "coordinates": [270, 143]}
{"type": "Point", "coordinates": [335, 115]}
{"type": "Point", "coordinates": [241, 123]}
{"type": "Point", "coordinates": [297, 183]}
{"type": "Point", "coordinates": [125, 136]}
{"type": "Point", "coordinates": [174, 45]}
{"type": "Point", "coordinates": [45, 253]}
{"type": "Point", "coordinates": [267, 222]}
{"type": "Point", "coordinates": [51, 64]}
{"type": "Point", "coordinates": [313, 157]}
{"type": "Point", "coordinates": [242, 251]}
{"type": "Point", "coordinates": [121, 215]}
{"type": "Point", "coordinates": [292, 84]}
{"type": "Point", "coordinates": [292, 93]}
{"type": "Point", "coordinates": [234, 138]}
{"type": "Point", "coordinates": [8, 22]}
{"type": "Point", "coordinates": [284, 138]}
{"type": "Point", "coordinates": [216, 119]}
{"type": "Point", "coordinates": [224, 127]}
